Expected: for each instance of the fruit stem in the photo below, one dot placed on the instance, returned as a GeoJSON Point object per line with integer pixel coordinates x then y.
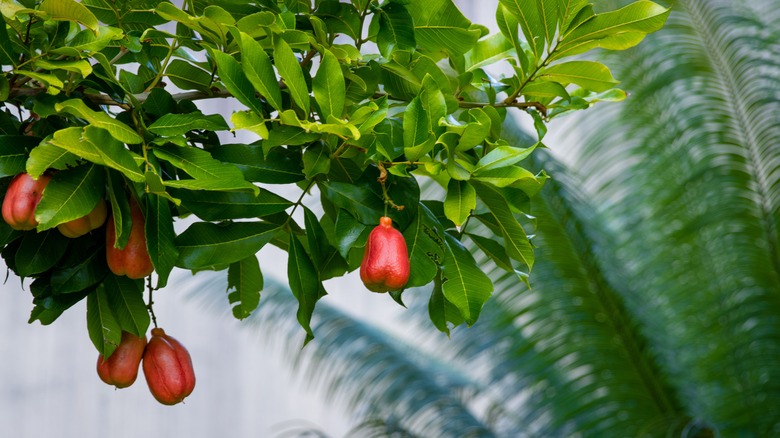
{"type": "Point", "coordinates": [151, 302]}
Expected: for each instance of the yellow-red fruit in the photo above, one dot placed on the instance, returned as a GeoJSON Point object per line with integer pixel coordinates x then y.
{"type": "Point", "coordinates": [23, 195]}
{"type": "Point", "coordinates": [132, 260]}
{"type": "Point", "coordinates": [385, 265]}
{"type": "Point", "coordinates": [168, 368]}
{"type": "Point", "coordinates": [83, 225]}
{"type": "Point", "coordinates": [121, 368]}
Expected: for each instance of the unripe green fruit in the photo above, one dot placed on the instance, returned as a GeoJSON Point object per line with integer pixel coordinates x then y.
{"type": "Point", "coordinates": [168, 368]}
{"type": "Point", "coordinates": [121, 368]}
{"type": "Point", "coordinates": [83, 225]}
{"type": "Point", "coordinates": [385, 265]}
{"type": "Point", "coordinates": [132, 260]}
{"type": "Point", "coordinates": [23, 195]}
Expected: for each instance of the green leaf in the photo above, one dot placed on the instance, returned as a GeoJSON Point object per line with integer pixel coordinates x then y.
{"type": "Point", "coordinates": [503, 156]}
{"type": "Point", "coordinates": [209, 174]}
{"type": "Point", "coordinates": [257, 67]}
{"type": "Point", "coordinates": [8, 55]}
{"type": "Point", "coordinates": [70, 10]}
{"type": "Point", "coordinates": [530, 21]}
{"type": "Point", "coordinates": [216, 206]}
{"type": "Point", "coordinates": [416, 130]}
{"type": "Point", "coordinates": [204, 245]}
{"type": "Point", "coordinates": [325, 256]}
{"type": "Point", "coordinates": [340, 18]}
{"type": "Point", "coordinates": [233, 78]}
{"type": "Point", "coordinates": [329, 88]}
{"type": "Point", "coordinates": [187, 76]}
{"type": "Point", "coordinates": [160, 237]}
{"type": "Point", "coordinates": [304, 284]}
{"type": "Point", "coordinates": [39, 252]}
{"type": "Point", "coordinates": [71, 194]}
{"type": "Point", "coordinates": [278, 166]}
{"type": "Point", "coordinates": [120, 208]}
{"type": "Point", "coordinates": [461, 199]}
{"type": "Point", "coordinates": [586, 74]}
{"type": "Point", "coordinates": [441, 311]}
{"type": "Point", "coordinates": [493, 249]}
{"type": "Point", "coordinates": [316, 160]}
{"type": "Point", "coordinates": [425, 238]}
{"type": "Point", "coordinates": [171, 125]}
{"type": "Point", "coordinates": [515, 239]}
{"type": "Point", "coordinates": [290, 70]}
{"type": "Point", "coordinates": [245, 281]}
{"type": "Point", "coordinates": [464, 284]}
{"type": "Point", "coordinates": [81, 67]}
{"type": "Point", "coordinates": [396, 30]}
{"type": "Point", "coordinates": [614, 30]}
{"type": "Point", "coordinates": [89, 270]}
{"type": "Point", "coordinates": [99, 119]}
{"type": "Point", "coordinates": [126, 298]}
{"type": "Point", "coordinates": [111, 153]}
{"type": "Point", "coordinates": [441, 28]}
{"type": "Point", "coordinates": [104, 329]}
{"type": "Point", "coordinates": [250, 121]}
{"type": "Point", "coordinates": [361, 201]}
{"type": "Point", "coordinates": [13, 153]}
{"type": "Point", "coordinates": [489, 51]}
{"type": "Point", "coordinates": [47, 156]}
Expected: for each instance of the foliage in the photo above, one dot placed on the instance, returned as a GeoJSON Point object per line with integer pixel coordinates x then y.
{"type": "Point", "coordinates": [654, 304]}
{"type": "Point", "coordinates": [105, 92]}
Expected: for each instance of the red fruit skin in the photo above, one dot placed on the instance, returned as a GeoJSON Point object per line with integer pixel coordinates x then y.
{"type": "Point", "coordinates": [121, 368]}
{"type": "Point", "coordinates": [83, 225]}
{"type": "Point", "coordinates": [23, 195]}
{"type": "Point", "coordinates": [132, 260]}
{"type": "Point", "coordinates": [168, 368]}
{"type": "Point", "coordinates": [385, 265]}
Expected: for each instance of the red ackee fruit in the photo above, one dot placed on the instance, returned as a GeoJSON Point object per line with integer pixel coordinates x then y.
{"type": "Point", "coordinates": [121, 368]}
{"type": "Point", "coordinates": [132, 260]}
{"type": "Point", "coordinates": [83, 225]}
{"type": "Point", "coordinates": [168, 368]}
{"type": "Point", "coordinates": [385, 265]}
{"type": "Point", "coordinates": [23, 195]}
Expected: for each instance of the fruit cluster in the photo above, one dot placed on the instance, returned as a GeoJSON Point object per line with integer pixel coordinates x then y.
{"type": "Point", "coordinates": [166, 363]}
{"type": "Point", "coordinates": [23, 195]}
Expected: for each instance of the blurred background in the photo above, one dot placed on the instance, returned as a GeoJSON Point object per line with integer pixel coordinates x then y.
{"type": "Point", "coordinates": [654, 308]}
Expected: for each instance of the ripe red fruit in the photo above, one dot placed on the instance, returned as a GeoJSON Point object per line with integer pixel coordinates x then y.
{"type": "Point", "coordinates": [121, 368]}
{"type": "Point", "coordinates": [23, 195]}
{"type": "Point", "coordinates": [168, 368]}
{"type": "Point", "coordinates": [132, 260]}
{"type": "Point", "coordinates": [83, 225]}
{"type": "Point", "coordinates": [385, 265]}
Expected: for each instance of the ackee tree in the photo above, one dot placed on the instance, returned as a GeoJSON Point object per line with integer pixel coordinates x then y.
{"type": "Point", "coordinates": [359, 99]}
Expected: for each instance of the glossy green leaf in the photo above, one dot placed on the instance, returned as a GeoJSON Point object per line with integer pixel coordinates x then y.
{"type": "Point", "coordinates": [326, 257]}
{"type": "Point", "coordinates": [121, 218]}
{"type": "Point", "coordinates": [187, 76]}
{"type": "Point", "coordinates": [614, 30]}
{"type": "Point", "coordinates": [304, 284]}
{"type": "Point", "coordinates": [250, 121]}
{"type": "Point", "coordinates": [99, 119]}
{"type": "Point", "coordinates": [171, 125]}
{"type": "Point", "coordinates": [47, 156]}
{"type": "Point", "coordinates": [13, 153]}
{"type": "Point", "coordinates": [340, 18]}
{"type": "Point", "coordinates": [245, 281]}
{"type": "Point", "coordinates": [396, 29]}
{"type": "Point", "coordinates": [39, 252]}
{"type": "Point", "coordinates": [160, 237]}
{"type": "Point", "coordinates": [232, 76]}
{"type": "Point", "coordinates": [290, 71]}
{"type": "Point", "coordinates": [416, 130]}
{"type": "Point", "coordinates": [278, 166]}
{"type": "Point", "coordinates": [204, 245]}
{"type": "Point", "coordinates": [441, 311]}
{"type": "Point", "coordinates": [530, 21]}
{"type": "Point", "coordinates": [81, 67]}
{"type": "Point", "coordinates": [464, 283]}
{"type": "Point", "coordinates": [425, 240]}
{"type": "Point", "coordinates": [71, 194]}
{"type": "Point", "coordinates": [208, 173]}
{"type": "Point", "coordinates": [503, 156]}
{"type": "Point", "coordinates": [359, 200]}
{"type": "Point", "coordinates": [258, 68]}
{"type": "Point", "coordinates": [493, 249]}
{"type": "Point", "coordinates": [102, 325]}
{"type": "Point", "coordinates": [461, 199]}
{"type": "Point", "coordinates": [489, 51]}
{"type": "Point", "coordinates": [586, 74]}
{"type": "Point", "coordinates": [316, 160]}
{"type": "Point", "coordinates": [515, 239]}
{"type": "Point", "coordinates": [126, 298]}
{"type": "Point", "coordinates": [217, 206]}
{"type": "Point", "coordinates": [441, 28]}
{"type": "Point", "coordinates": [329, 87]}
{"type": "Point", "coordinates": [70, 10]}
